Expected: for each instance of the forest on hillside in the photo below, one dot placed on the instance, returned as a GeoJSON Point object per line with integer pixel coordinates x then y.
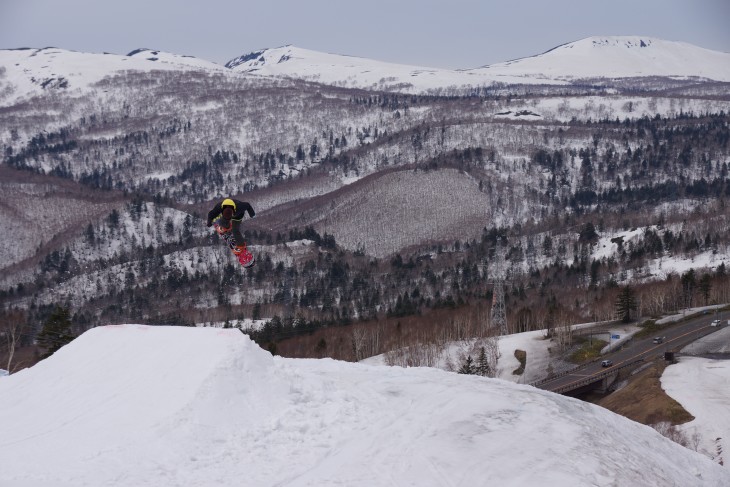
{"type": "Point", "coordinates": [372, 208]}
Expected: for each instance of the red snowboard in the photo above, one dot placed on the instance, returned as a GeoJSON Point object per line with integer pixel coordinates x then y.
{"type": "Point", "coordinates": [241, 252]}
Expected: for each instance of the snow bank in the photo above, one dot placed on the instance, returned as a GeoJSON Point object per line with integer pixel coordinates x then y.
{"type": "Point", "coordinates": [702, 386]}
{"type": "Point", "coordinates": [148, 406]}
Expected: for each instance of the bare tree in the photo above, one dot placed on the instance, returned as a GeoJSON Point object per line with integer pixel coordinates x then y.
{"type": "Point", "coordinates": [670, 431]}
{"type": "Point", "coordinates": [12, 327]}
{"type": "Point", "coordinates": [563, 331]}
{"type": "Point", "coordinates": [359, 338]}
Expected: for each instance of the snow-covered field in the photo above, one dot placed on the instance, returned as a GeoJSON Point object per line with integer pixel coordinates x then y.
{"type": "Point", "coordinates": [148, 406]}
{"type": "Point", "coordinates": [702, 387]}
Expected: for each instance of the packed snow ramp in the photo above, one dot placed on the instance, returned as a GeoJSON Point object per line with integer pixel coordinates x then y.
{"type": "Point", "coordinates": [173, 406]}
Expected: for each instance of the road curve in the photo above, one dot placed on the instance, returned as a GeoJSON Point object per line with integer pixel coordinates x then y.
{"type": "Point", "coordinates": [676, 336]}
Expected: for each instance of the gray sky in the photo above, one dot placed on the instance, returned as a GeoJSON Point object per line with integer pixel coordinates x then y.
{"type": "Point", "coordinates": [434, 33]}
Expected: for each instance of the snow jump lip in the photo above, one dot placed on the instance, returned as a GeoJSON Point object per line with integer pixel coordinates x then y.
{"type": "Point", "coordinates": [138, 405]}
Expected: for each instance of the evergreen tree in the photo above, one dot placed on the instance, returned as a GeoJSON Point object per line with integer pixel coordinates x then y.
{"type": "Point", "coordinates": [588, 234]}
{"type": "Point", "coordinates": [547, 246]}
{"type": "Point", "coordinates": [56, 331]}
{"type": "Point", "coordinates": [113, 219]}
{"type": "Point", "coordinates": [625, 304]}
{"type": "Point", "coordinates": [482, 367]}
{"type": "Point", "coordinates": [586, 169]}
{"type": "Point", "coordinates": [468, 366]}
{"type": "Point", "coordinates": [256, 313]}
{"type": "Point", "coordinates": [89, 234]}
{"type": "Point", "coordinates": [688, 286]}
{"type": "Point", "coordinates": [705, 287]}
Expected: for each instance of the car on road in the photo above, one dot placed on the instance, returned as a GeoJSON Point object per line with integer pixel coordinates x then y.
{"type": "Point", "coordinates": [658, 339]}
{"type": "Point", "coordinates": [606, 363]}
{"type": "Point", "coordinates": [715, 323]}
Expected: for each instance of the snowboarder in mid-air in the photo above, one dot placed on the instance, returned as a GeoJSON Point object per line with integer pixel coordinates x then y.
{"type": "Point", "coordinates": [226, 217]}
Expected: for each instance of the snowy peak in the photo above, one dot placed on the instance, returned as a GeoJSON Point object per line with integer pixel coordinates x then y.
{"type": "Point", "coordinates": [292, 57]}
{"type": "Point", "coordinates": [646, 48]}
{"type": "Point", "coordinates": [349, 71]}
{"type": "Point", "coordinates": [594, 57]}
{"type": "Point", "coordinates": [174, 59]}
{"type": "Point", "coordinates": [34, 71]}
{"type": "Point", "coordinates": [31, 71]}
{"type": "Point", "coordinates": [257, 59]}
{"type": "Point", "coordinates": [610, 42]}
{"type": "Point", "coordinates": [619, 57]}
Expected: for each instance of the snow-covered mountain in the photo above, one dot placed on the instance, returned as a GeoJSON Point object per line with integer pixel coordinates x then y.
{"type": "Point", "coordinates": [617, 57]}
{"type": "Point", "coordinates": [26, 71]}
{"type": "Point", "coordinates": [30, 71]}
{"type": "Point", "coordinates": [163, 57]}
{"type": "Point", "coordinates": [147, 406]}
{"type": "Point", "coordinates": [594, 57]}
{"type": "Point", "coordinates": [353, 72]}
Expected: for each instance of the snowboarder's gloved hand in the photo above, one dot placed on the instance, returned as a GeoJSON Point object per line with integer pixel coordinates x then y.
{"type": "Point", "coordinates": [224, 225]}
{"type": "Point", "coordinates": [209, 224]}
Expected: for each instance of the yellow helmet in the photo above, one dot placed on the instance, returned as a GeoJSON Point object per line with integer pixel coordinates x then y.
{"type": "Point", "coordinates": [228, 202]}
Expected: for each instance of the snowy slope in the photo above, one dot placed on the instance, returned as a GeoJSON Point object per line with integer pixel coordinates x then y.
{"type": "Point", "coordinates": [701, 386]}
{"type": "Point", "coordinates": [25, 72]}
{"type": "Point", "coordinates": [617, 57]}
{"type": "Point", "coordinates": [162, 57]}
{"type": "Point", "coordinates": [594, 57]}
{"type": "Point", "coordinates": [356, 72]}
{"type": "Point", "coordinates": [149, 406]}
{"type": "Point", "coordinates": [31, 71]}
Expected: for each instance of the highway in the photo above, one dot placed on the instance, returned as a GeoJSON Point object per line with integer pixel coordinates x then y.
{"type": "Point", "coordinates": [676, 336]}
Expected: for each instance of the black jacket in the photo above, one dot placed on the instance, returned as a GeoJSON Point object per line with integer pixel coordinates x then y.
{"type": "Point", "coordinates": [242, 207]}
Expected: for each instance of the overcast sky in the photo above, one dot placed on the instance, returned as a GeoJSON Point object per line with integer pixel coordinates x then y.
{"type": "Point", "coordinates": [434, 33]}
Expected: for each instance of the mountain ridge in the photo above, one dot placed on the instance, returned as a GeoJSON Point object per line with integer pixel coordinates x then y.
{"type": "Point", "coordinates": [621, 56]}
{"type": "Point", "coordinates": [34, 71]}
{"type": "Point", "coordinates": [591, 57]}
{"type": "Point", "coordinates": [28, 71]}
